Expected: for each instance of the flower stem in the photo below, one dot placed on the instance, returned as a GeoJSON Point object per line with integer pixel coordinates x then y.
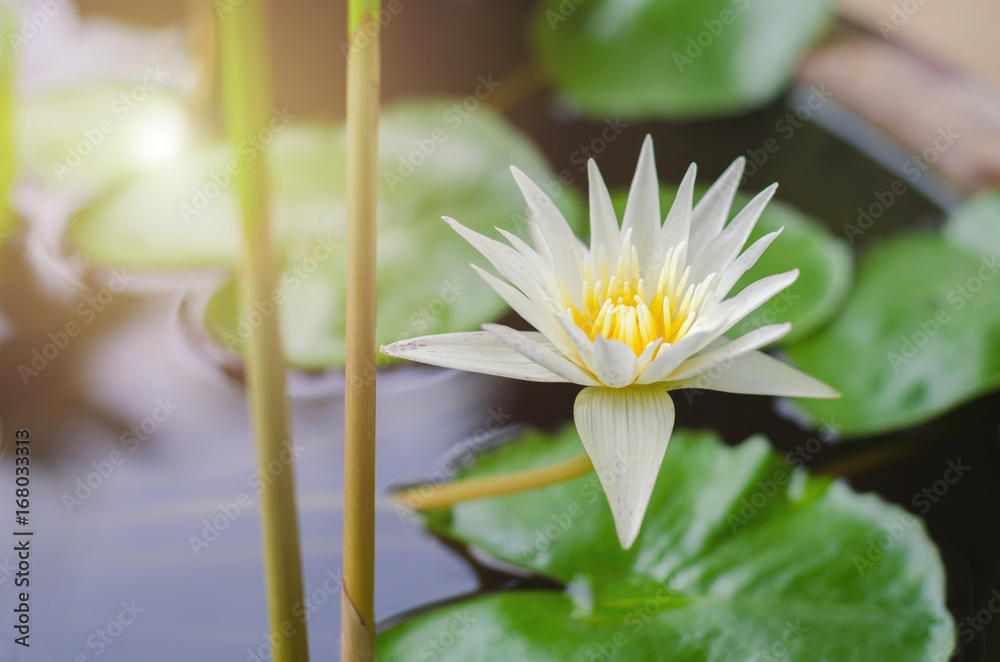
{"type": "Point", "coordinates": [246, 111]}
{"type": "Point", "coordinates": [426, 497]}
{"type": "Point", "coordinates": [363, 80]}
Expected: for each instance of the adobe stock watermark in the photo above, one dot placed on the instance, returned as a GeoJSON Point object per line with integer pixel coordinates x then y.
{"type": "Point", "coordinates": [590, 492]}
{"type": "Point", "coordinates": [926, 498]}
{"type": "Point", "coordinates": [314, 602]}
{"type": "Point", "coordinates": [423, 319]}
{"type": "Point", "coordinates": [767, 488]}
{"type": "Point", "coordinates": [913, 169]}
{"type": "Point", "coordinates": [33, 22]}
{"type": "Point", "coordinates": [461, 456]}
{"type": "Point", "coordinates": [230, 511]}
{"type": "Point", "coordinates": [790, 640]}
{"type": "Point", "coordinates": [877, 546]}
{"type": "Point", "coordinates": [368, 31]}
{"type": "Point", "coordinates": [86, 312]}
{"type": "Point", "coordinates": [91, 139]}
{"type": "Point", "coordinates": [291, 280]}
{"type": "Point", "coordinates": [105, 637]}
{"type": "Point", "coordinates": [786, 127]}
{"type": "Point", "coordinates": [454, 117]}
{"type": "Point", "coordinates": [86, 486]}
{"type": "Point", "coordinates": [222, 178]}
{"type": "Point", "coordinates": [562, 12]}
{"type": "Point", "coordinates": [957, 298]}
{"type": "Point", "coordinates": [899, 16]}
{"type": "Point", "coordinates": [974, 624]}
{"type": "Point", "coordinates": [458, 626]}
{"type": "Point", "coordinates": [714, 29]}
{"type": "Point", "coordinates": [612, 129]}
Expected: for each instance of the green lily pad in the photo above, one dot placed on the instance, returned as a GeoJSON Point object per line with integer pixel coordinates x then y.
{"type": "Point", "coordinates": [172, 217]}
{"type": "Point", "coordinates": [919, 335]}
{"type": "Point", "coordinates": [740, 556]}
{"type": "Point", "coordinates": [433, 162]}
{"type": "Point", "coordinates": [824, 261]}
{"type": "Point", "coordinates": [673, 58]}
{"type": "Point", "coordinates": [94, 136]}
{"type": "Point", "coordinates": [975, 224]}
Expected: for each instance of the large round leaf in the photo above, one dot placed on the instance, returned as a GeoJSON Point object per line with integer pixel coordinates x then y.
{"type": "Point", "coordinates": [174, 216]}
{"type": "Point", "coordinates": [93, 136]}
{"type": "Point", "coordinates": [673, 58]}
{"type": "Point", "coordinates": [433, 162]}
{"type": "Point", "coordinates": [919, 335]}
{"type": "Point", "coordinates": [740, 556]}
{"type": "Point", "coordinates": [823, 260]}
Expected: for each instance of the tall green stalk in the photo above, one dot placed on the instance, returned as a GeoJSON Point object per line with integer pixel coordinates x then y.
{"type": "Point", "coordinates": [245, 83]}
{"type": "Point", "coordinates": [357, 616]}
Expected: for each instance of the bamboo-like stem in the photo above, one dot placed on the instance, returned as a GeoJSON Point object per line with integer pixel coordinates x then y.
{"type": "Point", "coordinates": [245, 85]}
{"type": "Point", "coordinates": [363, 80]}
{"type": "Point", "coordinates": [426, 497]}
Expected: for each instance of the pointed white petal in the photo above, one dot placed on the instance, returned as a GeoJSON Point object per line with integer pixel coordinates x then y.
{"type": "Point", "coordinates": [724, 248]}
{"type": "Point", "coordinates": [717, 359]}
{"type": "Point", "coordinates": [712, 210]}
{"type": "Point", "coordinates": [581, 343]}
{"type": "Point", "coordinates": [642, 209]}
{"type": "Point", "coordinates": [543, 353]}
{"type": "Point", "coordinates": [558, 235]}
{"type": "Point", "coordinates": [723, 316]}
{"type": "Point", "coordinates": [512, 265]}
{"type": "Point", "coordinates": [677, 226]}
{"type": "Point", "coordinates": [644, 359]}
{"type": "Point", "coordinates": [743, 263]}
{"type": "Point", "coordinates": [478, 351]}
{"type": "Point", "coordinates": [540, 264]}
{"type": "Point", "coordinates": [614, 362]}
{"type": "Point", "coordinates": [625, 432]}
{"type": "Point", "coordinates": [604, 231]}
{"type": "Point", "coordinates": [759, 374]}
{"type": "Point", "coordinates": [537, 316]}
{"type": "Point", "coordinates": [669, 357]}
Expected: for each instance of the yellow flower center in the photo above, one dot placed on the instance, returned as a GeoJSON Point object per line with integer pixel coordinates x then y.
{"type": "Point", "coordinates": [621, 306]}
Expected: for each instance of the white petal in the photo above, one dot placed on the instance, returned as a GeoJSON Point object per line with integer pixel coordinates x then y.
{"type": "Point", "coordinates": [712, 210]}
{"type": "Point", "coordinates": [743, 263]}
{"type": "Point", "coordinates": [677, 226]}
{"type": "Point", "coordinates": [759, 374]}
{"type": "Point", "coordinates": [537, 316]}
{"type": "Point", "coordinates": [671, 356]}
{"type": "Point", "coordinates": [625, 432]}
{"type": "Point", "coordinates": [731, 350]}
{"type": "Point", "coordinates": [614, 362]}
{"type": "Point", "coordinates": [642, 209]}
{"type": "Point", "coordinates": [558, 235]}
{"type": "Point", "coordinates": [543, 353]}
{"type": "Point", "coordinates": [724, 315]}
{"type": "Point", "coordinates": [478, 351]}
{"type": "Point", "coordinates": [512, 265]}
{"type": "Point", "coordinates": [583, 345]}
{"type": "Point", "coordinates": [540, 264]}
{"type": "Point", "coordinates": [604, 231]}
{"type": "Point", "coordinates": [724, 248]}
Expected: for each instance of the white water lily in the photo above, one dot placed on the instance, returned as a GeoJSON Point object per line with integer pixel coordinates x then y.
{"type": "Point", "coordinates": [640, 312]}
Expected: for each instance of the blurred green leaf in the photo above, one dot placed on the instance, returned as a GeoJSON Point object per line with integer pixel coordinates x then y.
{"type": "Point", "coordinates": [824, 262]}
{"type": "Point", "coordinates": [434, 162]}
{"type": "Point", "coordinates": [94, 136]}
{"type": "Point", "coordinates": [673, 58]}
{"type": "Point", "coordinates": [975, 224]}
{"type": "Point", "coordinates": [919, 335]}
{"type": "Point", "coordinates": [741, 557]}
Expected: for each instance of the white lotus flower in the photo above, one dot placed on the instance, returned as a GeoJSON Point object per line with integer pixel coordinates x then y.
{"type": "Point", "coordinates": [639, 313]}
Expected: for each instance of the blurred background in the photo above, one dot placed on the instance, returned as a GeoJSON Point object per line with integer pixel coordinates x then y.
{"type": "Point", "coordinates": [119, 339]}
